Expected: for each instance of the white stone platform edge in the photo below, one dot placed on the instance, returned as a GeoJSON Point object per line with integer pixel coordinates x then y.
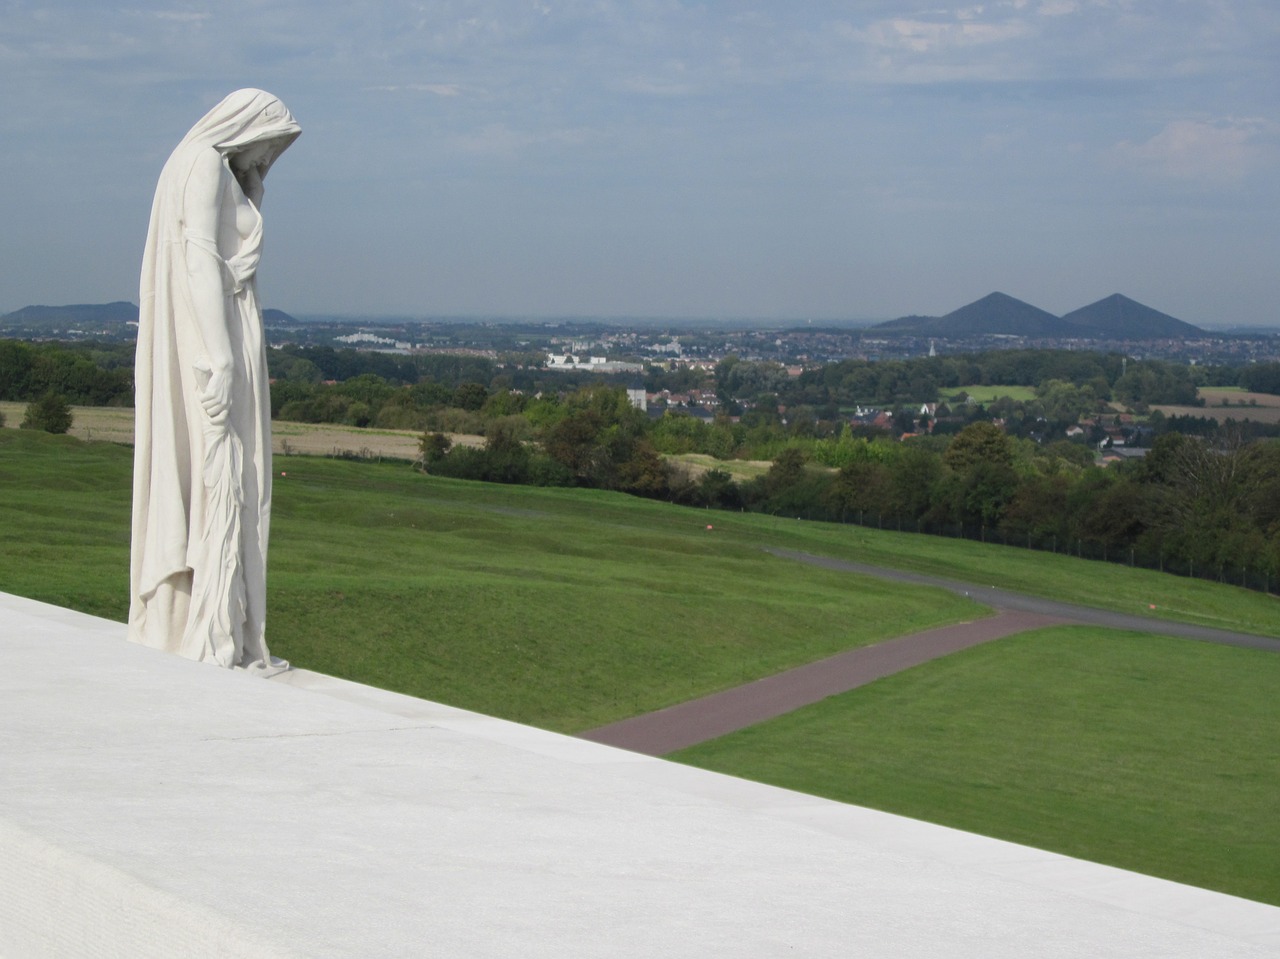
{"type": "Point", "coordinates": [1150, 895]}
{"type": "Point", "coordinates": [73, 892]}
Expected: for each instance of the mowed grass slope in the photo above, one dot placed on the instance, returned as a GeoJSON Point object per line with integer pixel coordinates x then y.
{"type": "Point", "coordinates": [1145, 752]}
{"type": "Point", "coordinates": [567, 609]}
{"type": "Point", "coordinates": [563, 608]}
{"type": "Point", "coordinates": [64, 521]}
{"type": "Point", "coordinates": [988, 394]}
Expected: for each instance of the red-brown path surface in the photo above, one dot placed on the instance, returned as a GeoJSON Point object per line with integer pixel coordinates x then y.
{"type": "Point", "coordinates": [698, 720]}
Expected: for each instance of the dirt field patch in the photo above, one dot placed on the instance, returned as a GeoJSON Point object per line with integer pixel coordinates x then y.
{"type": "Point", "coordinates": [113, 424]}
{"type": "Point", "coordinates": [1229, 404]}
{"type": "Point", "coordinates": [699, 463]}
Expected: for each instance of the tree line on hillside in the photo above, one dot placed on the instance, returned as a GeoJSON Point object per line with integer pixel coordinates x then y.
{"type": "Point", "coordinates": [476, 395]}
{"type": "Point", "coordinates": [101, 374]}
{"type": "Point", "coordinates": [769, 408]}
{"type": "Point", "coordinates": [1191, 505]}
{"type": "Point", "coordinates": [84, 374]}
{"type": "Point", "coordinates": [760, 432]}
{"type": "Point", "coordinates": [846, 383]}
{"type": "Point", "coordinates": [763, 409]}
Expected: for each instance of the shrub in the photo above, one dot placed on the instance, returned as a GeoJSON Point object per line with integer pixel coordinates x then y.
{"type": "Point", "coordinates": [50, 413]}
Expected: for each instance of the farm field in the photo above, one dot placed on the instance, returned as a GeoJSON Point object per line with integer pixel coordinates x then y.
{"type": "Point", "coordinates": [699, 463]}
{"type": "Point", "coordinates": [1141, 751]}
{"type": "Point", "coordinates": [1224, 403]}
{"type": "Point", "coordinates": [111, 424]}
{"type": "Point", "coordinates": [114, 424]}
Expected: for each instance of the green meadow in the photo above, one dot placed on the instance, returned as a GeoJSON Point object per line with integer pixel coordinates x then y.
{"type": "Point", "coordinates": [568, 609]}
{"type": "Point", "coordinates": [1139, 592]}
{"type": "Point", "coordinates": [698, 463]}
{"type": "Point", "coordinates": [1145, 752]}
{"type": "Point", "coordinates": [989, 394]}
{"type": "Point", "coordinates": [562, 608]}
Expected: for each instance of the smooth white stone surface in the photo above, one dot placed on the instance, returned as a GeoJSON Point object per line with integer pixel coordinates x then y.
{"type": "Point", "coordinates": [155, 806]}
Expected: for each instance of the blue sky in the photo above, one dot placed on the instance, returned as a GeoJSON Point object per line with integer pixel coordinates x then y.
{"type": "Point", "coordinates": [815, 160]}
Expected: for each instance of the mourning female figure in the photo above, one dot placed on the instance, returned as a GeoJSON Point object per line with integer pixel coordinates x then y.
{"type": "Point", "coordinates": [202, 459]}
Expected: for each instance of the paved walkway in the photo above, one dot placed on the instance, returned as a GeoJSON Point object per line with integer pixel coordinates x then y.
{"type": "Point", "coordinates": [665, 731]}
{"type": "Point", "coordinates": [1006, 599]}
{"type": "Point", "coordinates": [696, 721]}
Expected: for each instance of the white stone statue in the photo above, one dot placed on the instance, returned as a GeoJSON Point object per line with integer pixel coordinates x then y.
{"type": "Point", "coordinates": [202, 459]}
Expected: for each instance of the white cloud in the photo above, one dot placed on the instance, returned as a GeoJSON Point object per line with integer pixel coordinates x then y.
{"type": "Point", "coordinates": [439, 89]}
{"type": "Point", "coordinates": [655, 87]}
{"type": "Point", "coordinates": [1057, 8]}
{"type": "Point", "coordinates": [179, 16]}
{"type": "Point", "coordinates": [993, 144]}
{"type": "Point", "coordinates": [1218, 150]}
{"type": "Point", "coordinates": [496, 139]}
{"type": "Point", "coordinates": [928, 36]}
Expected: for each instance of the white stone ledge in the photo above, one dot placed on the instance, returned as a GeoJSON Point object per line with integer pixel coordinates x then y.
{"type": "Point", "coordinates": [152, 806]}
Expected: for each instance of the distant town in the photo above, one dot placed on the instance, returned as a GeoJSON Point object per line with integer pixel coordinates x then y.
{"type": "Point", "coordinates": [996, 322]}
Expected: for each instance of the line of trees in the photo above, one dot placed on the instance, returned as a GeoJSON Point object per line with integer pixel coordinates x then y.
{"type": "Point", "coordinates": [101, 374]}
{"type": "Point", "coordinates": [1190, 505]}
{"type": "Point", "coordinates": [888, 383]}
{"type": "Point", "coordinates": [82, 374]}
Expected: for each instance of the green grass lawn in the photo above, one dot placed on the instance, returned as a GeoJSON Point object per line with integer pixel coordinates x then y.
{"type": "Point", "coordinates": [1150, 753]}
{"type": "Point", "coordinates": [739, 469]}
{"type": "Point", "coordinates": [987, 394]}
{"type": "Point", "coordinates": [64, 521]}
{"type": "Point", "coordinates": [61, 478]}
{"type": "Point", "coordinates": [1052, 575]}
{"type": "Point", "coordinates": [562, 608]}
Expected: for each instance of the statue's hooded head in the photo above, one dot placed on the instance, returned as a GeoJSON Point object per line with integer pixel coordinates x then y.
{"type": "Point", "coordinates": [247, 120]}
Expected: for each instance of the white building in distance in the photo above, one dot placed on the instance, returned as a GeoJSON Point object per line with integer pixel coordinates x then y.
{"type": "Point", "coordinates": [593, 364]}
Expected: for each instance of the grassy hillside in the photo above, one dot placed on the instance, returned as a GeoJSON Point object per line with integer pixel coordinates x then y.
{"type": "Point", "coordinates": [1141, 751]}
{"type": "Point", "coordinates": [562, 608]}
{"type": "Point", "coordinates": [61, 492]}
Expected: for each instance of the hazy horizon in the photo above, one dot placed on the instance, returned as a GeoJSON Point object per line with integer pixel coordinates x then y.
{"type": "Point", "coordinates": [616, 320]}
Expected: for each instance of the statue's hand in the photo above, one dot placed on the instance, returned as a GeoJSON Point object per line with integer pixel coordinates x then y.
{"type": "Point", "coordinates": [215, 398]}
